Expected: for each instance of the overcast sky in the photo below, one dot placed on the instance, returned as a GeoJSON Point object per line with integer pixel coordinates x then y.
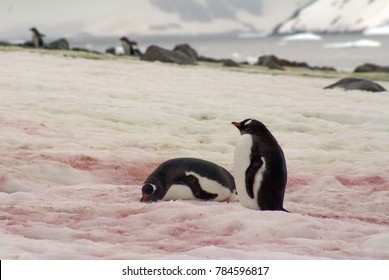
{"type": "Point", "coordinates": [18, 15]}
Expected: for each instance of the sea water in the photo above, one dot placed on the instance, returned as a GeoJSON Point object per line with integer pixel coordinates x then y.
{"type": "Point", "coordinates": [343, 51]}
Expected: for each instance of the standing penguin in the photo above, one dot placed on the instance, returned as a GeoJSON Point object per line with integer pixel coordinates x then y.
{"type": "Point", "coordinates": [259, 167]}
{"type": "Point", "coordinates": [37, 38]}
{"type": "Point", "coordinates": [129, 47]}
{"type": "Point", "coordinates": [189, 178]}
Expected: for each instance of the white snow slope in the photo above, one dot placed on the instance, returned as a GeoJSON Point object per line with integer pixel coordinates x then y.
{"type": "Point", "coordinates": [338, 16]}
{"type": "Point", "coordinates": [79, 136]}
{"type": "Point", "coordinates": [176, 17]}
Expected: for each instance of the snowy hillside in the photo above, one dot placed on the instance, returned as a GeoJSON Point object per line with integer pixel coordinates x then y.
{"type": "Point", "coordinates": [117, 18]}
{"type": "Point", "coordinates": [79, 136]}
{"type": "Point", "coordinates": [190, 17]}
{"type": "Point", "coordinates": [178, 17]}
{"type": "Point", "coordinates": [337, 16]}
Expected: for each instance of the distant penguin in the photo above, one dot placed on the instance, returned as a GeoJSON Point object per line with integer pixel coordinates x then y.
{"type": "Point", "coordinates": [37, 38]}
{"type": "Point", "coordinates": [189, 178]}
{"type": "Point", "coordinates": [259, 167]}
{"type": "Point", "coordinates": [129, 47]}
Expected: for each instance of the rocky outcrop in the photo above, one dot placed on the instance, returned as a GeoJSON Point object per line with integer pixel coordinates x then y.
{"type": "Point", "coordinates": [188, 50]}
{"type": "Point", "coordinates": [368, 67]}
{"type": "Point", "coordinates": [273, 62]}
{"type": "Point", "coordinates": [60, 44]}
{"type": "Point", "coordinates": [230, 63]}
{"type": "Point", "coordinates": [270, 61]}
{"type": "Point", "coordinates": [155, 53]}
{"type": "Point", "coordinates": [111, 50]}
{"type": "Point", "coordinates": [209, 59]}
{"type": "Point", "coordinates": [76, 49]}
{"type": "Point", "coordinates": [2, 43]}
{"type": "Point", "coordinates": [357, 84]}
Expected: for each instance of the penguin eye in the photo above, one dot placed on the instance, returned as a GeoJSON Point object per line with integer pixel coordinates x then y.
{"type": "Point", "coordinates": [148, 189]}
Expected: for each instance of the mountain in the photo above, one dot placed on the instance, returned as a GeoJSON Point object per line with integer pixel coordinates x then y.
{"type": "Point", "coordinates": [335, 16]}
{"type": "Point", "coordinates": [137, 18]}
{"type": "Point", "coordinates": [191, 17]}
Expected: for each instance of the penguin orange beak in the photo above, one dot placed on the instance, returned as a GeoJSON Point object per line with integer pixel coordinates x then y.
{"type": "Point", "coordinates": [144, 198]}
{"type": "Point", "coordinates": [236, 124]}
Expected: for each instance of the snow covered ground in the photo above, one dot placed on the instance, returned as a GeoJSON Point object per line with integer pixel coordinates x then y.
{"type": "Point", "coordinates": [79, 136]}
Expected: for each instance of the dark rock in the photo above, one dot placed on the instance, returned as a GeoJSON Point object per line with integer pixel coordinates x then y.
{"type": "Point", "coordinates": [155, 53]}
{"type": "Point", "coordinates": [27, 44]}
{"type": "Point", "coordinates": [188, 50]}
{"type": "Point", "coordinates": [357, 84]}
{"type": "Point", "coordinates": [302, 65]}
{"type": "Point", "coordinates": [61, 44]}
{"type": "Point", "coordinates": [368, 67]}
{"type": "Point", "coordinates": [271, 61]}
{"type": "Point", "coordinates": [111, 50]}
{"type": "Point", "coordinates": [76, 49]}
{"type": "Point", "coordinates": [327, 68]}
{"type": "Point", "coordinates": [287, 63]}
{"type": "Point", "coordinates": [210, 59]}
{"type": "Point", "coordinates": [2, 43]}
{"type": "Point", "coordinates": [230, 63]}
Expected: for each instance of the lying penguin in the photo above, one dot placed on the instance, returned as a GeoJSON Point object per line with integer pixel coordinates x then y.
{"type": "Point", "coordinates": [189, 178]}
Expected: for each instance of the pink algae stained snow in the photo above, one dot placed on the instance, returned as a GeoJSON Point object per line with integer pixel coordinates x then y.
{"type": "Point", "coordinates": [110, 172]}
{"type": "Point", "coordinates": [377, 183]}
{"type": "Point", "coordinates": [297, 181]}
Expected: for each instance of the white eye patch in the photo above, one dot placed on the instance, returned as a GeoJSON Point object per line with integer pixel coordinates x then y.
{"type": "Point", "coordinates": [247, 122]}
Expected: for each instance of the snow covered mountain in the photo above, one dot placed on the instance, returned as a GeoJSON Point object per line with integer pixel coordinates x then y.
{"type": "Point", "coordinates": [191, 17]}
{"type": "Point", "coordinates": [142, 17]}
{"type": "Point", "coordinates": [333, 16]}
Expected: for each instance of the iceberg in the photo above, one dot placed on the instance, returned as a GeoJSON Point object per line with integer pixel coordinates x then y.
{"type": "Point", "coordinates": [354, 44]}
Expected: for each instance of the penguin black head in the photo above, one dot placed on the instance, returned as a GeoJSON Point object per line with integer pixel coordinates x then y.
{"type": "Point", "coordinates": [250, 126]}
{"type": "Point", "coordinates": [149, 192]}
{"type": "Point", "coordinates": [126, 40]}
{"type": "Point", "coordinates": [36, 32]}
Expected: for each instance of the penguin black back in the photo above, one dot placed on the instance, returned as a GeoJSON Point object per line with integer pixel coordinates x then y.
{"type": "Point", "coordinates": [260, 167]}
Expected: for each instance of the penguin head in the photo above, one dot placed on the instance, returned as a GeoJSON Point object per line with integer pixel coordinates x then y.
{"type": "Point", "coordinates": [36, 32]}
{"type": "Point", "coordinates": [126, 40]}
{"type": "Point", "coordinates": [149, 192]}
{"type": "Point", "coordinates": [250, 126]}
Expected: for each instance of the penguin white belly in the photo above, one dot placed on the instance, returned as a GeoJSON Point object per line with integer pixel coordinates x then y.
{"type": "Point", "coordinates": [183, 192]}
{"type": "Point", "coordinates": [178, 191]}
{"type": "Point", "coordinates": [35, 41]}
{"type": "Point", "coordinates": [211, 186]}
{"type": "Point", "coordinates": [241, 163]}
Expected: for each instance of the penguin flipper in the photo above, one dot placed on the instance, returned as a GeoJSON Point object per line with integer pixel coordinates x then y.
{"type": "Point", "coordinates": [251, 171]}
{"type": "Point", "coordinates": [192, 182]}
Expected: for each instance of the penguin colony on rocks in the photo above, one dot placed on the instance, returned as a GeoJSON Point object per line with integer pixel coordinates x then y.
{"type": "Point", "coordinates": [128, 47]}
{"type": "Point", "coordinates": [259, 180]}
